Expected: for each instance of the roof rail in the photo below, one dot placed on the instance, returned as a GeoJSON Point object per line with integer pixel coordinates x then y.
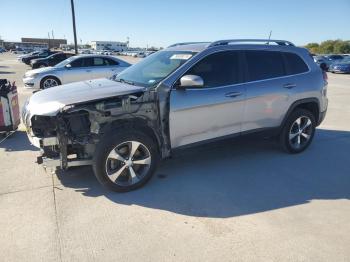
{"type": "Point", "coordinates": [187, 43]}
{"type": "Point", "coordinates": [266, 41]}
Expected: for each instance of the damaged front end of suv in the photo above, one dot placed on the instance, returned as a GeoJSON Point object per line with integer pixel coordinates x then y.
{"type": "Point", "coordinates": [68, 131]}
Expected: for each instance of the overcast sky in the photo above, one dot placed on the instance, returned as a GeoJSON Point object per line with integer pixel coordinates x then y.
{"type": "Point", "coordinates": [161, 23]}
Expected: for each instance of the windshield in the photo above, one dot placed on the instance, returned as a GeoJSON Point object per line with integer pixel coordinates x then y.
{"type": "Point", "coordinates": [65, 62]}
{"type": "Point", "coordinates": [154, 68]}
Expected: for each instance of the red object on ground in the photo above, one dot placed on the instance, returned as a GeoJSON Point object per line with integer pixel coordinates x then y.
{"type": "Point", "coordinates": [9, 107]}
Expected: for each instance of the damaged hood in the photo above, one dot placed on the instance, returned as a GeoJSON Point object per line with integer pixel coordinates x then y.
{"type": "Point", "coordinates": [50, 101]}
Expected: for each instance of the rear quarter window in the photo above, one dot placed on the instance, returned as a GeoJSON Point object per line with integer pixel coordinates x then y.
{"type": "Point", "coordinates": [295, 64]}
{"type": "Point", "coordinates": [264, 64]}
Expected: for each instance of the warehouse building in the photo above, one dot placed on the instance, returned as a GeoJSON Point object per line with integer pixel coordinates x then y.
{"type": "Point", "coordinates": [109, 45]}
{"type": "Point", "coordinates": [51, 43]}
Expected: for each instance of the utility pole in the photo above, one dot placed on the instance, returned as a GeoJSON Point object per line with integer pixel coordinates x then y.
{"type": "Point", "coordinates": [74, 29]}
{"type": "Point", "coordinates": [48, 34]}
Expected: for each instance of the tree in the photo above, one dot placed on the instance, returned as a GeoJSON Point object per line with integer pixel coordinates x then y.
{"type": "Point", "coordinates": [330, 47]}
{"type": "Point", "coordinates": [313, 47]}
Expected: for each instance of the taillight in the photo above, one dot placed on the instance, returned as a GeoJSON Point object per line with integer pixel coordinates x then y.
{"type": "Point", "coordinates": [325, 76]}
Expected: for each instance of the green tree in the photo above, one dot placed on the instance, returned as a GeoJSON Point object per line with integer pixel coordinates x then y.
{"type": "Point", "coordinates": [313, 47]}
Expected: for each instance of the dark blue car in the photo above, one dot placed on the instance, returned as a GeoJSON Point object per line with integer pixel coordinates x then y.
{"type": "Point", "coordinates": [342, 66]}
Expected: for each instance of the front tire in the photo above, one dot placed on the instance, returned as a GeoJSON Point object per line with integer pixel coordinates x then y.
{"type": "Point", "coordinates": [125, 160]}
{"type": "Point", "coordinates": [298, 131]}
{"type": "Point", "coordinates": [49, 81]}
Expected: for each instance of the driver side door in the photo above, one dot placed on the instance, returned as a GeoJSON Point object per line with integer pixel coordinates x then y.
{"type": "Point", "coordinates": [213, 110]}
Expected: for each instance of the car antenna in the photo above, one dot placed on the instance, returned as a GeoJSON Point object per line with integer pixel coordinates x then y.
{"type": "Point", "coordinates": [268, 42]}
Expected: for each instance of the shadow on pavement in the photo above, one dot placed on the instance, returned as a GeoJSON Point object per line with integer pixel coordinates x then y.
{"type": "Point", "coordinates": [236, 177]}
{"type": "Point", "coordinates": [17, 142]}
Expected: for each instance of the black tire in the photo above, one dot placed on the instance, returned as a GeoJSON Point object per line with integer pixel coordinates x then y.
{"type": "Point", "coordinates": [111, 141]}
{"type": "Point", "coordinates": [46, 78]}
{"type": "Point", "coordinates": [287, 132]}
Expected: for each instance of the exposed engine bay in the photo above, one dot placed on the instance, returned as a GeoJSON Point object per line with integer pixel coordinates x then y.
{"type": "Point", "coordinates": [70, 136]}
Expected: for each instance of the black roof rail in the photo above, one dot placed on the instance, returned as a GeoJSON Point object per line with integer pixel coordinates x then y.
{"type": "Point", "coordinates": [266, 41]}
{"type": "Point", "coordinates": [188, 43]}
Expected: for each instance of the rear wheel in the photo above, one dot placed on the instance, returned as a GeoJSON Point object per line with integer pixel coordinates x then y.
{"type": "Point", "coordinates": [125, 161]}
{"type": "Point", "coordinates": [298, 132]}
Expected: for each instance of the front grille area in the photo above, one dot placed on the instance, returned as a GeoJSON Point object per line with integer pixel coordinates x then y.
{"type": "Point", "coordinates": [43, 126]}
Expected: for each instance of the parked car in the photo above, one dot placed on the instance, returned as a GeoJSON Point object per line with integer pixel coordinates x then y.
{"type": "Point", "coordinates": [334, 58]}
{"type": "Point", "coordinates": [180, 96]}
{"type": "Point", "coordinates": [343, 66]}
{"type": "Point", "coordinates": [20, 57]}
{"type": "Point", "coordinates": [51, 60]}
{"type": "Point", "coordinates": [73, 69]}
{"type": "Point", "coordinates": [321, 60]}
{"type": "Point", "coordinates": [42, 54]}
{"type": "Point", "coordinates": [2, 50]}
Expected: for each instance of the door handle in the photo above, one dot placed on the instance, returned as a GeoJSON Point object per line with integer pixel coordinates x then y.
{"type": "Point", "coordinates": [289, 85]}
{"type": "Point", "coordinates": [88, 71]}
{"type": "Point", "coordinates": [233, 94]}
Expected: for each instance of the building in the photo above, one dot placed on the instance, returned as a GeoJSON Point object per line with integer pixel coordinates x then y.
{"type": "Point", "coordinates": [51, 43]}
{"type": "Point", "coordinates": [109, 45]}
{"type": "Point", "coordinates": [25, 46]}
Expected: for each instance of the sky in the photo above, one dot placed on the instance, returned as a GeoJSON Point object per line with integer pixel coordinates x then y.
{"type": "Point", "coordinates": [161, 23]}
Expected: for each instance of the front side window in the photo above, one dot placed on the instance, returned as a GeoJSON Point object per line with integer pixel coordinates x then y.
{"type": "Point", "coordinates": [264, 64]}
{"type": "Point", "coordinates": [77, 63]}
{"type": "Point", "coordinates": [218, 69]}
{"type": "Point", "coordinates": [153, 69]}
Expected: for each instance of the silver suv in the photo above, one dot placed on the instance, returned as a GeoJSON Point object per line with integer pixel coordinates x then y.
{"type": "Point", "coordinates": [186, 94]}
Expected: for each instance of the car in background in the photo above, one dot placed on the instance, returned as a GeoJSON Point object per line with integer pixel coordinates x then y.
{"type": "Point", "coordinates": [322, 61]}
{"type": "Point", "coordinates": [2, 50]}
{"type": "Point", "coordinates": [51, 60]}
{"type": "Point", "coordinates": [73, 69]}
{"type": "Point", "coordinates": [334, 58]}
{"type": "Point", "coordinates": [20, 57]}
{"type": "Point", "coordinates": [42, 54]}
{"type": "Point", "coordinates": [342, 66]}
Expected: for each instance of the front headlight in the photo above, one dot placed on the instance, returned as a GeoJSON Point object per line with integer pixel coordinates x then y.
{"type": "Point", "coordinates": [31, 75]}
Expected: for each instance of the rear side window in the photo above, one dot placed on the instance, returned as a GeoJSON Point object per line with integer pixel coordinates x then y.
{"type": "Point", "coordinates": [264, 64]}
{"type": "Point", "coordinates": [294, 64]}
{"type": "Point", "coordinates": [109, 62]}
{"type": "Point", "coordinates": [98, 61]}
{"type": "Point", "coordinates": [218, 69]}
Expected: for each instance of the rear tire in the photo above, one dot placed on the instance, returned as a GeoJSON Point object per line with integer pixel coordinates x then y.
{"type": "Point", "coordinates": [298, 131]}
{"type": "Point", "coordinates": [125, 160]}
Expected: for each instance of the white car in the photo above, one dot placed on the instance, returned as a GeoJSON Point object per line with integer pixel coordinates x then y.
{"type": "Point", "coordinates": [74, 69]}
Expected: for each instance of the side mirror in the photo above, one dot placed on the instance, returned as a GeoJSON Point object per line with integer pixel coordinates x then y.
{"type": "Point", "coordinates": [191, 81]}
{"type": "Point", "coordinates": [68, 66]}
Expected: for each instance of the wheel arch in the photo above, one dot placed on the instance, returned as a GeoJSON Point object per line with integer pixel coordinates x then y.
{"type": "Point", "coordinates": [139, 124]}
{"type": "Point", "coordinates": [311, 104]}
{"type": "Point", "coordinates": [47, 76]}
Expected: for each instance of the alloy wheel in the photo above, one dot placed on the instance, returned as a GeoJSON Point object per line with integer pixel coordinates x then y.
{"type": "Point", "coordinates": [50, 82]}
{"type": "Point", "coordinates": [300, 132]}
{"type": "Point", "coordinates": [128, 163]}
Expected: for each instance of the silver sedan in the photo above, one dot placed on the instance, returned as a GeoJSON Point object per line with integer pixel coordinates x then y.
{"type": "Point", "coordinates": [73, 69]}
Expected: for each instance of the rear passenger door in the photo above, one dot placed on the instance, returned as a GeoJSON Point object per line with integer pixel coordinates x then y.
{"type": "Point", "coordinates": [268, 90]}
{"type": "Point", "coordinates": [104, 67]}
{"type": "Point", "coordinates": [211, 111]}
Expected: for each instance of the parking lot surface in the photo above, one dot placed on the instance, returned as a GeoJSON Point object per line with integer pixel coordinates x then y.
{"type": "Point", "coordinates": [237, 200]}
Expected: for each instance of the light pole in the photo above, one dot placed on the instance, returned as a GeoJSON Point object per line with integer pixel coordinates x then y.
{"type": "Point", "coordinates": [74, 29]}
